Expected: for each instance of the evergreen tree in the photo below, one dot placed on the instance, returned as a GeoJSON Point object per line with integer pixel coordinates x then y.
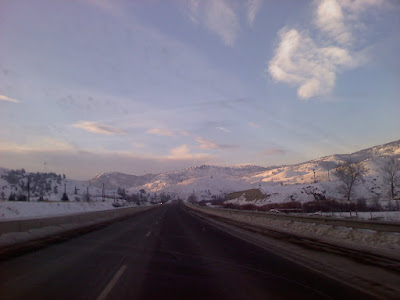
{"type": "Point", "coordinates": [65, 197]}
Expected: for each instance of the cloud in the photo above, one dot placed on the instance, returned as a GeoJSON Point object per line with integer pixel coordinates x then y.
{"type": "Point", "coordinates": [8, 99]}
{"type": "Point", "coordinates": [253, 6]}
{"type": "Point", "coordinates": [107, 6]}
{"type": "Point", "coordinates": [208, 145]}
{"type": "Point", "coordinates": [330, 19]}
{"type": "Point", "coordinates": [312, 65]}
{"type": "Point", "coordinates": [98, 128]}
{"type": "Point", "coordinates": [85, 164]}
{"type": "Point", "coordinates": [299, 61]}
{"type": "Point", "coordinates": [339, 19]}
{"type": "Point", "coordinates": [217, 16]}
{"type": "Point", "coordinates": [138, 145]}
{"type": "Point", "coordinates": [185, 133]}
{"type": "Point", "coordinates": [222, 129]}
{"type": "Point", "coordinates": [38, 143]}
{"type": "Point", "coordinates": [274, 151]}
{"type": "Point", "coordinates": [183, 152]}
{"type": "Point", "coordinates": [254, 125]}
{"type": "Point", "coordinates": [160, 131]}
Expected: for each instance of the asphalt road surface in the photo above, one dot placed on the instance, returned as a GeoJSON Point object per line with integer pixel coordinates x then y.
{"type": "Point", "coordinates": [164, 253]}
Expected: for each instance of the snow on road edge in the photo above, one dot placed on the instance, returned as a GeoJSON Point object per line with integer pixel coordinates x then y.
{"type": "Point", "coordinates": [338, 234]}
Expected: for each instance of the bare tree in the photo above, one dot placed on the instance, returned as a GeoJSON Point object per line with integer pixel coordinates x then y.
{"type": "Point", "coordinates": [349, 173]}
{"type": "Point", "coordinates": [390, 171]}
{"type": "Point", "coordinates": [192, 198]}
{"type": "Point", "coordinates": [328, 166]}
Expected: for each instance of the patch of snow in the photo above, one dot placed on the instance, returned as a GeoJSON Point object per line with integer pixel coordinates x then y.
{"type": "Point", "coordinates": [10, 210]}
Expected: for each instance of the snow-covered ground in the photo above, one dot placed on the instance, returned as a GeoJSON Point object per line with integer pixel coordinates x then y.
{"type": "Point", "coordinates": [304, 182]}
{"type": "Point", "coordinates": [370, 238]}
{"type": "Point", "coordinates": [19, 210]}
{"type": "Point", "coordinates": [281, 184]}
{"type": "Point", "coordinates": [391, 216]}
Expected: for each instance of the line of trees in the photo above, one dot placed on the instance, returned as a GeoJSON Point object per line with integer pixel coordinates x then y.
{"type": "Point", "coordinates": [350, 173]}
{"type": "Point", "coordinates": [390, 170]}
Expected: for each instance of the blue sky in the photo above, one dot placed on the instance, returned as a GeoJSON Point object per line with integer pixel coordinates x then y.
{"type": "Point", "coordinates": [90, 86]}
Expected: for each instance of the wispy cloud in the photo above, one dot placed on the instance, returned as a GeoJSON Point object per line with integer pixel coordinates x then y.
{"type": "Point", "coordinates": [223, 129]}
{"type": "Point", "coordinates": [185, 133]}
{"type": "Point", "coordinates": [138, 145]}
{"type": "Point", "coordinates": [274, 151]}
{"type": "Point", "coordinates": [254, 125]}
{"type": "Point", "coordinates": [208, 145]}
{"type": "Point", "coordinates": [85, 163]}
{"type": "Point", "coordinates": [183, 152]}
{"type": "Point", "coordinates": [217, 16]}
{"type": "Point", "coordinates": [160, 131]}
{"type": "Point", "coordinates": [253, 6]}
{"type": "Point", "coordinates": [312, 64]}
{"type": "Point", "coordinates": [329, 18]}
{"type": "Point", "coordinates": [39, 143]}
{"type": "Point", "coordinates": [98, 128]}
{"type": "Point", "coordinates": [107, 6]}
{"type": "Point", "coordinates": [8, 99]}
{"type": "Point", "coordinates": [339, 19]}
{"type": "Point", "coordinates": [299, 61]}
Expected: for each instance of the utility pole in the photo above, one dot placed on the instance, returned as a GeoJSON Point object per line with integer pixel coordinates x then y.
{"type": "Point", "coordinates": [102, 192]}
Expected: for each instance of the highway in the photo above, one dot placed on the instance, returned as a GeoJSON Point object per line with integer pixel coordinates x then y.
{"type": "Point", "coordinates": [163, 253]}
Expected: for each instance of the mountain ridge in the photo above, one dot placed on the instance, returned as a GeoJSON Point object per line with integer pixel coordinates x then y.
{"type": "Point", "coordinates": [284, 183]}
{"type": "Point", "coordinates": [229, 178]}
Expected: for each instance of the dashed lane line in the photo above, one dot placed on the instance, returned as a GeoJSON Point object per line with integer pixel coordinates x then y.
{"type": "Point", "coordinates": [112, 283]}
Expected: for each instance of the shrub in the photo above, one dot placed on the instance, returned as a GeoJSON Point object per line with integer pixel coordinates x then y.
{"type": "Point", "coordinates": [22, 197]}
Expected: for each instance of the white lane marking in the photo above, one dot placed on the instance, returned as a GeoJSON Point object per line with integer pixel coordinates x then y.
{"type": "Point", "coordinates": [148, 233]}
{"type": "Point", "coordinates": [112, 283]}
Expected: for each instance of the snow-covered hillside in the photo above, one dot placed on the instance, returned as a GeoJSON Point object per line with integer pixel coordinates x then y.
{"type": "Point", "coordinates": [298, 182]}
{"type": "Point", "coordinates": [44, 186]}
{"type": "Point", "coordinates": [216, 179]}
{"type": "Point", "coordinates": [284, 183]}
{"type": "Point", "coordinates": [114, 180]}
{"type": "Point", "coordinates": [291, 182]}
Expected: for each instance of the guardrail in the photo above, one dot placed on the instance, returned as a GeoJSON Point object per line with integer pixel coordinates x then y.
{"type": "Point", "coordinates": [332, 221]}
{"type": "Point", "coordinates": [101, 216]}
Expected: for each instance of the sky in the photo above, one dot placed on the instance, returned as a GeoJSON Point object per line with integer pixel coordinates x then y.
{"type": "Point", "coordinates": [90, 86]}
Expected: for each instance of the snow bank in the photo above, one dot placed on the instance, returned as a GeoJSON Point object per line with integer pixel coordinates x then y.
{"type": "Point", "coordinates": [336, 234]}
{"type": "Point", "coordinates": [20, 210]}
{"type": "Point", "coordinates": [391, 216]}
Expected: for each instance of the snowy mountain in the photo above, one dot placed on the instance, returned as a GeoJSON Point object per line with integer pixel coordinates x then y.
{"type": "Point", "coordinates": [114, 180]}
{"type": "Point", "coordinates": [322, 168]}
{"type": "Point", "coordinates": [298, 182]}
{"type": "Point", "coordinates": [217, 179]}
{"type": "Point", "coordinates": [283, 183]}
